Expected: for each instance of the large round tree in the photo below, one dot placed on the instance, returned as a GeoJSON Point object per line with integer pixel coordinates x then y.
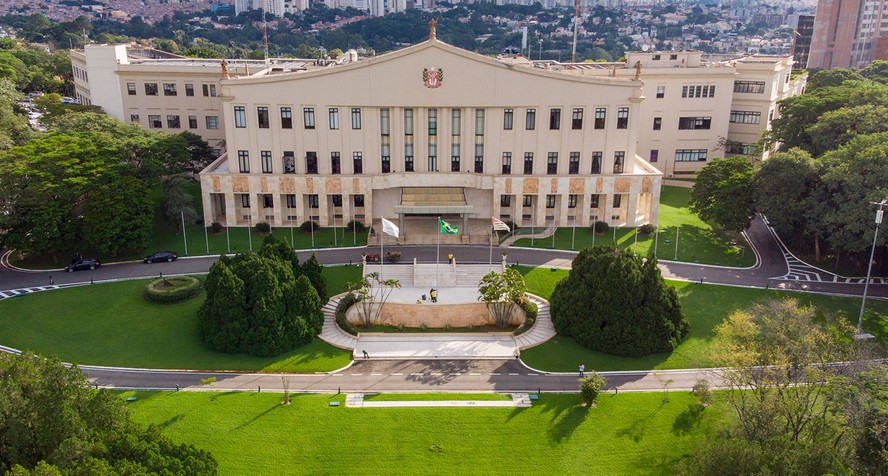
{"type": "Point", "coordinates": [616, 302]}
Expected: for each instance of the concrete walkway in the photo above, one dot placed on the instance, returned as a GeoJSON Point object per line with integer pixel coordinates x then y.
{"type": "Point", "coordinates": [518, 400]}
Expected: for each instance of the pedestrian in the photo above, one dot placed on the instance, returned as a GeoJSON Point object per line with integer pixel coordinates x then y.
{"type": "Point", "coordinates": [517, 356]}
{"type": "Point", "coordinates": [434, 295]}
{"type": "Point", "coordinates": [450, 258]}
{"type": "Point", "coordinates": [366, 355]}
{"type": "Point", "coordinates": [51, 282]}
{"type": "Point", "coordinates": [582, 370]}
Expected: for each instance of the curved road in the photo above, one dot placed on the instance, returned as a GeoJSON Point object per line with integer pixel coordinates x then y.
{"type": "Point", "coordinates": [770, 271]}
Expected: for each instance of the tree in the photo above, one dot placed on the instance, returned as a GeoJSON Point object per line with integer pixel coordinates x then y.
{"type": "Point", "coordinates": [616, 302]}
{"type": "Point", "coordinates": [313, 270]}
{"type": "Point", "coordinates": [723, 193]}
{"type": "Point", "coordinates": [366, 291]}
{"type": "Point", "coordinates": [836, 128]}
{"type": "Point", "coordinates": [501, 293]}
{"type": "Point", "coordinates": [590, 387]}
{"type": "Point", "coordinates": [52, 422]}
{"type": "Point", "coordinates": [176, 202]}
{"type": "Point", "coordinates": [118, 216]}
{"type": "Point", "coordinates": [200, 152]}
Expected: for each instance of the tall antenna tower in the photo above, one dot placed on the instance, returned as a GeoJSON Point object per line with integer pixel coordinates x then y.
{"type": "Point", "coordinates": [573, 55]}
{"type": "Point", "coordinates": [265, 30]}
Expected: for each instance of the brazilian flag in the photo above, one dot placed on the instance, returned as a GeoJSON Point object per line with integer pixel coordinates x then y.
{"type": "Point", "coordinates": [447, 228]}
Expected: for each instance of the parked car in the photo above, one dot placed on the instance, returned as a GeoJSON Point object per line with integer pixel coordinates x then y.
{"type": "Point", "coordinates": [161, 256]}
{"type": "Point", "coordinates": [85, 263]}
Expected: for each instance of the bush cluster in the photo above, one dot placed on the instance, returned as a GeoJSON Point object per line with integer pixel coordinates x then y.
{"type": "Point", "coordinates": [530, 310]}
{"type": "Point", "coordinates": [616, 302]}
{"type": "Point", "coordinates": [309, 226]}
{"type": "Point", "coordinates": [263, 227]}
{"type": "Point", "coordinates": [600, 227]}
{"type": "Point", "coordinates": [346, 302]}
{"type": "Point", "coordinates": [186, 287]}
{"type": "Point", "coordinates": [356, 226]}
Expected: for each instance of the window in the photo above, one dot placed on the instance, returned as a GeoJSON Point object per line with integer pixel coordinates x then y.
{"type": "Point", "coordinates": [554, 119]}
{"type": "Point", "coordinates": [746, 117]}
{"type": "Point", "coordinates": [528, 201]}
{"type": "Point", "coordinates": [151, 89]}
{"type": "Point", "coordinates": [576, 121]}
{"type": "Point", "coordinates": [169, 89]}
{"type": "Point", "coordinates": [690, 155]}
{"type": "Point", "coordinates": [754, 87]}
{"type": "Point", "coordinates": [508, 118]}
{"type": "Point", "coordinates": [572, 201]}
{"type": "Point", "coordinates": [574, 164]}
{"type": "Point", "coordinates": [658, 123]}
{"type": "Point", "coordinates": [408, 140]}
{"type": "Point", "coordinates": [530, 119]}
{"type": "Point", "coordinates": [550, 201]}
{"type": "Point", "coordinates": [308, 117]}
{"type": "Point", "coordinates": [619, 157]}
{"type": "Point", "coordinates": [334, 118]}
{"type": "Point", "coordinates": [311, 163]}
{"type": "Point", "coordinates": [173, 122]}
{"type": "Point", "coordinates": [386, 164]}
{"type": "Point", "coordinates": [189, 89]}
{"type": "Point", "coordinates": [770, 116]}
{"type": "Point", "coordinates": [131, 89]}
{"type": "Point", "coordinates": [265, 159]}
{"type": "Point", "coordinates": [335, 163]}
{"type": "Point", "coordinates": [289, 161]}
{"type": "Point", "coordinates": [661, 92]}
{"type": "Point", "coordinates": [356, 118]}
{"type": "Point", "coordinates": [505, 201]}
{"type": "Point", "coordinates": [286, 118]}
{"type": "Point", "coordinates": [384, 122]}
{"type": "Point", "coordinates": [479, 164]}
{"type": "Point", "coordinates": [740, 148]}
{"type": "Point", "coordinates": [552, 163]}
{"type": "Point", "coordinates": [386, 145]}
{"type": "Point", "coordinates": [656, 57]}
{"type": "Point", "coordinates": [596, 162]}
{"type": "Point", "coordinates": [433, 122]}
{"type": "Point", "coordinates": [455, 123]}
{"type": "Point", "coordinates": [134, 118]}
{"type": "Point", "coordinates": [507, 163]}
{"type": "Point", "coordinates": [240, 116]}
{"type": "Point", "coordinates": [479, 141]}
{"type": "Point", "coordinates": [262, 115]}
{"type": "Point", "coordinates": [359, 201]}
{"type": "Point", "coordinates": [617, 200]}
{"type": "Point", "coordinates": [622, 118]}
{"type": "Point", "coordinates": [408, 163]}
{"type": "Point", "coordinates": [337, 200]}
{"type": "Point", "coordinates": [698, 91]}
{"type": "Point", "coordinates": [209, 90]}
{"type": "Point", "coordinates": [154, 122]}
{"type": "Point", "coordinates": [313, 201]}
{"type": "Point", "coordinates": [454, 163]}
{"type": "Point", "coordinates": [600, 117]}
{"type": "Point", "coordinates": [528, 163]}
{"type": "Point", "coordinates": [654, 155]}
{"type": "Point", "coordinates": [291, 200]}
{"type": "Point", "coordinates": [192, 122]}
{"type": "Point", "coordinates": [212, 122]}
{"type": "Point", "coordinates": [694, 123]}
{"type": "Point", "coordinates": [593, 203]}
{"type": "Point", "coordinates": [243, 161]}
{"type": "Point", "coordinates": [358, 163]}
{"type": "Point", "coordinates": [245, 200]}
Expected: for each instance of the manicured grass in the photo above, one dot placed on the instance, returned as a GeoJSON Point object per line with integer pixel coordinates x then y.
{"type": "Point", "coordinates": [112, 324]}
{"type": "Point", "coordinates": [434, 397]}
{"type": "Point", "coordinates": [698, 241]}
{"type": "Point", "coordinates": [631, 433]}
{"type": "Point", "coordinates": [705, 306]}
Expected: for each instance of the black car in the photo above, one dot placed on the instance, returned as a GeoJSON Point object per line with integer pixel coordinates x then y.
{"type": "Point", "coordinates": [80, 265]}
{"type": "Point", "coordinates": [161, 256]}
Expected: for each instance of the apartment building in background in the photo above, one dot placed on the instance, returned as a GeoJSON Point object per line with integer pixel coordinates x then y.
{"type": "Point", "coordinates": [849, 33]}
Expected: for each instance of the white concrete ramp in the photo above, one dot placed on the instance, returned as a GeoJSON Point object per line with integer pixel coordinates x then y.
{"type": "Point", "coordinates": [435, 346]}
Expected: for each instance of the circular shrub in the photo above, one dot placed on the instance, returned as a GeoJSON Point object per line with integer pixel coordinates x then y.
{"type": "Point", "coordinates": [216, 227]}
{"type": "Point", "coordinates": [263, 227]}
{"type": "Point", "coordinates": [356, 226]}
{"type": "Point", "coordinates": [600, 227]}
{"type": "Point", "coordinates": [309, 226]}
{"type": "Point", "coordinates": [646, 229]}
{"type": "Point", "coordinates": [172, 290]}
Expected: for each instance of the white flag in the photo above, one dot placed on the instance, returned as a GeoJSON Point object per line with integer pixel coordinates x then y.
{"type": "Point", "coordinates": [390, 228]}
{"type": "Point", "coordinates": [499, 224]}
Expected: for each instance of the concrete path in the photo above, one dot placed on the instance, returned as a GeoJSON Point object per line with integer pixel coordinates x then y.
{"type": "Point", "coordinates": [518, 400]}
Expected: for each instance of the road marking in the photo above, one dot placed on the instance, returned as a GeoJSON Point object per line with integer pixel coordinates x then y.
{"type": "Point", "coordinates": [398, 373]}
{"type": "Point", "coordinates": [456, 374]}
{"type": "Point", "coordinates": [495, 373]}
{"type": "Point", "coordinates": [510, 373]}
{"type": "Point", "coordinates": [436, 374]}
{"type": "Point", "coordinates": [474, 373]}
{"type": "Point", "coordinates": [533, 375]}
{"type": "Point", "coordinates": [375, 374]}
{"type": "Point", "coordinates": [358, 375]}
{"type": "Point", "coordinates": [415, 374]}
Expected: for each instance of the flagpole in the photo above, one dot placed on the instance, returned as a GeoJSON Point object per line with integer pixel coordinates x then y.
{"type": "Point", "coordinates": [381, 246]}
{"type": "Point", "coordinates": [490, 258]}
{"type": "Point", "coordinates": [438, 251]}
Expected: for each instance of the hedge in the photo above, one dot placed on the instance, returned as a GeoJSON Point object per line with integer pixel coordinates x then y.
{"type": "Point", "coordinates": [186, 288]}
{"type": "Point", "coordinates": [530, 310]}
{"type": "Point", "coordinates": [346, 302]}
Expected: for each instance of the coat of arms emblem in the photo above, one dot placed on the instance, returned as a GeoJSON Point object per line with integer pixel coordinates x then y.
{"type": "Point", "coordinates": [432, 77]}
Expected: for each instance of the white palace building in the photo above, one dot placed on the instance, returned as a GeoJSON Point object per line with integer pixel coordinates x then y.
{"type": "Point", "coordinates": [433, 130]}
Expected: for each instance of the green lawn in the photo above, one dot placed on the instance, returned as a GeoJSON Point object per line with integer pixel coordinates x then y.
{"type": "Point", "coordinates": [631, 433]}
{"type": "Point", "coordinates": [112, 324]}
{"type": "Point", "coordinates": [201, 242]}
{"type": "Point", "coordinates": [705, 306]}
{"type": "Point", "coordinates": [414, 397]}
{"type": "Point", "coordinates": [698, 241]}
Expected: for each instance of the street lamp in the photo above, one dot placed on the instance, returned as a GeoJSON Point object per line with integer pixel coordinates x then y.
{"type": "Point", "coordinates": [879, 213]}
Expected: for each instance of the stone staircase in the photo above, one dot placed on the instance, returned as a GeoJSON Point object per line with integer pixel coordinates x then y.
{"type": "Point", "coordinates": [331, 333]}
{"type": "Point", "coordinates": [402, 272]}
{"type": "Point", "coordinates": [548, 232]}
{"type": "Point", "coordinates": [542, 329]}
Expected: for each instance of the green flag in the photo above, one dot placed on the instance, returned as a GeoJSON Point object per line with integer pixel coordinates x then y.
{"type": "Point", "coordinates": [447, 228]}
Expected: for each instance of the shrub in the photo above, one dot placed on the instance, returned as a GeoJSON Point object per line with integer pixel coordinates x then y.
{"type": "Point", "coordinates": [600, 227]}
{"type": "Point", "coordinates": [590, 387]}
{"type": "Point", "coordinates": [448, 328]}
{"type": "Point", "coordinates": [172, 290]}
{"type": "Point", "coordinates": [701, 391]}
{"type": "Point", "coordinates": [356, 226]}
{"type": "Point", "coordinates": [530, 310]}
{"type": "Point", "coordinates": [263, 227]}
{"type": "Point", "coordinates": [308, 226]}
{"type": "Point", "coordinates": [423, 327]}
{"type": "Point", "coordinates": [614, 301]}
{"type": "Point", "coordinates": [216, 227]}
{"type": "Point", "coordinates": [647, 229]}
{"type": "Point", "coordinates": [344, 304]}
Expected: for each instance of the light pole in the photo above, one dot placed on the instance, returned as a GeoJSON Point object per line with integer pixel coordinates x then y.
{"type": "Point", "coordinates": [879, 213]}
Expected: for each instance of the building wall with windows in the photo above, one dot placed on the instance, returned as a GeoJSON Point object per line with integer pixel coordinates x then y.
{"type": "Point", "coordinates": [343, 143]}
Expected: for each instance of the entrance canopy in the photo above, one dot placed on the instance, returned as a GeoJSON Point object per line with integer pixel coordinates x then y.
{"type": "Point", "coordinates": [433, 201]}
